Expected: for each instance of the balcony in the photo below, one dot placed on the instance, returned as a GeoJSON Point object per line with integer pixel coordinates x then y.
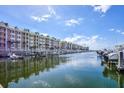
{"type": "Point", "coordinates": [2, 37]}
{"type": "Point", "coordinates": [2, 42]}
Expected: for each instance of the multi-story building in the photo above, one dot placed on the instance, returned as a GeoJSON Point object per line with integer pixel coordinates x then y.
{"type": "Point", "coordinates": [31, 41]}
{"type": "Point", "coordinates": [23, 40]}
{"type": "Point", "coordinates": [42, 43]}
{"type": "Point", "coordinates": [2, 36]}
{"type": "Point", "coordinates": [15, 39]}
{"type": "Point", "coordinates": [10, 37]}
{"type": "Point", "coordinates": [47, 42]}
{"type": "Point", "coordinates": [54, 44]}
{"type": "Point", "coordinates": [36, 41]}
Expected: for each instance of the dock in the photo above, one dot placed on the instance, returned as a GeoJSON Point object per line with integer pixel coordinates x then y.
{"type": "Point", "coordinates": [110, 57]}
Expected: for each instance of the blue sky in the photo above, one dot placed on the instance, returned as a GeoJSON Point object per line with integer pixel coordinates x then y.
{"type": "Point", "coordinates": [95, 26]}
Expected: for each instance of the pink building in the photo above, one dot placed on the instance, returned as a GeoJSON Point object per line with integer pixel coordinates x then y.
{"type": "Point", "coordinates": [9, 38]}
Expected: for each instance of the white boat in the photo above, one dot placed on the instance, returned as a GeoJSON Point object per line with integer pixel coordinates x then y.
{"type": "Point", "coordinates": [13, 56]}
{"type": "Point", "coordinates": [113, 56]}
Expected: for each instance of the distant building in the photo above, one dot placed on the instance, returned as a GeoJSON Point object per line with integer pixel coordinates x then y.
{"type": "Point", "coordinates": [119, 47]}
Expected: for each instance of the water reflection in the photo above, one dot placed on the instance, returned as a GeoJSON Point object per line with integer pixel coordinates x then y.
{"type": "Point", "coordinates": [71, 70]}
{"type": "Point", "coordinates": [111, 72]}
{"type": "Point", "coordinates": [84, 60]}
{"type": "Point", "coordinates": [12, 71]}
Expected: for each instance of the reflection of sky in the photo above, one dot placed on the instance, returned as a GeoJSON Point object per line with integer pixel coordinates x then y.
{"type": "Point", "coordinates": [72, 79]}
{"type": "Point", "coordinates": [83, 60]}
{"type": "Point", "coordinates": [41, 83]}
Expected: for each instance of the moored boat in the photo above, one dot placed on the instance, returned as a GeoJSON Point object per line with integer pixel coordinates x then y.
{"type": "Point", "coordinates": [14, 56]}
{"type": "Point", "coordinates": [113, 56]}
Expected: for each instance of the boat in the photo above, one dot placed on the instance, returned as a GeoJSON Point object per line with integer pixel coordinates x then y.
{"type": "Point", "coordinates": [14, 56]}
{"type": "Point", "coordinates": [113, 56]}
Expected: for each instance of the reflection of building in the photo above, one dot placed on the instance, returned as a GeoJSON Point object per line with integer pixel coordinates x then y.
{"type": "Point", "coordinates": [20, 40]}
{"type": "Point", "coordinates": [13, 71]}
{"type": "Point", "coordinates": [111, 72]}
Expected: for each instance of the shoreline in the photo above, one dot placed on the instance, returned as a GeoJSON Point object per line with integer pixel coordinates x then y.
{"type": "Point", "coordinates": [29, 57]}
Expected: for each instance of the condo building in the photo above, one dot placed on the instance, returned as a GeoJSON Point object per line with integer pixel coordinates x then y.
{"type": "Point", "coordinates": [14, 39]}
{"type": "Point", "coordinates": [42, 43]}
{"type": "Point", "coordinates": [31, 41]}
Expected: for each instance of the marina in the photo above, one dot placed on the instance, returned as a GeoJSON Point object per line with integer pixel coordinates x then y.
{"type": "Point", "coordinates": [68, 46]}
{"type": "Point", "coordinates": [82, 70]}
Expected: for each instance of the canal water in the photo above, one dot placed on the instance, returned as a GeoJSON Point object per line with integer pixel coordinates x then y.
{"type": "Point", "coordinates": [79, 70]}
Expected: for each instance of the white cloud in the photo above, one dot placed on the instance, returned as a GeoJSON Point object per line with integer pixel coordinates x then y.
{"type": "Point", "coordinates": [51, 14]}
{"type": "Point", "coordinates": [44, 34]}
{"type": "Point", "coordinates": [73, 22]}
{"type": "Point", "coordinates": [41, 18]}
{"type": "Point", "coordinates": [36, 30]}
{"type": "Point", "coordinates": [101, 8]}
{"type": "Point", "coordinates": [51, 10]}
{"type": "Point", "coordinates": [83, 40]}
{"type": "Point", "coordinates": [93, 42]}
{"type": "Point", "coordinates": [122, 33]}
{"type": "Point", "coordinates": [112, 29]}
{"type": "Point", "coordinates": [117, 31]}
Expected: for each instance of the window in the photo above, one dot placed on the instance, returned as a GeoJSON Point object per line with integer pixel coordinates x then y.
{"type": "Point", "coordinates": [12, 45]}
{"type": "Point", "coordinates": [12, 36]}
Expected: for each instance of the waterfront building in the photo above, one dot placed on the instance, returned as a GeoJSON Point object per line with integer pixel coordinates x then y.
{"type": "Point", "coordinates": [47, 43]}
{"type": "Point", "coordinates": [36, 41]}
{"type": "Point", "coordinates": [25, 40]}
{"type": "Point", "coordinates": [3, 33]}
{"type": "Point", "coordinates": [42, 43]}
{"type": "Point", "coordinates": [10, 38]}
{"type": "Point", "coordinates": [54, 46]}
{"type": "Point", "coordinates": [31, 42]}
{"type": "Point", "coordinates": [14, 39]}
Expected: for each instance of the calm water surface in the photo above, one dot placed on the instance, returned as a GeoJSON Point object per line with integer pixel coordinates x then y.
{"type": "Point", "coordinates": [80, 70]}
